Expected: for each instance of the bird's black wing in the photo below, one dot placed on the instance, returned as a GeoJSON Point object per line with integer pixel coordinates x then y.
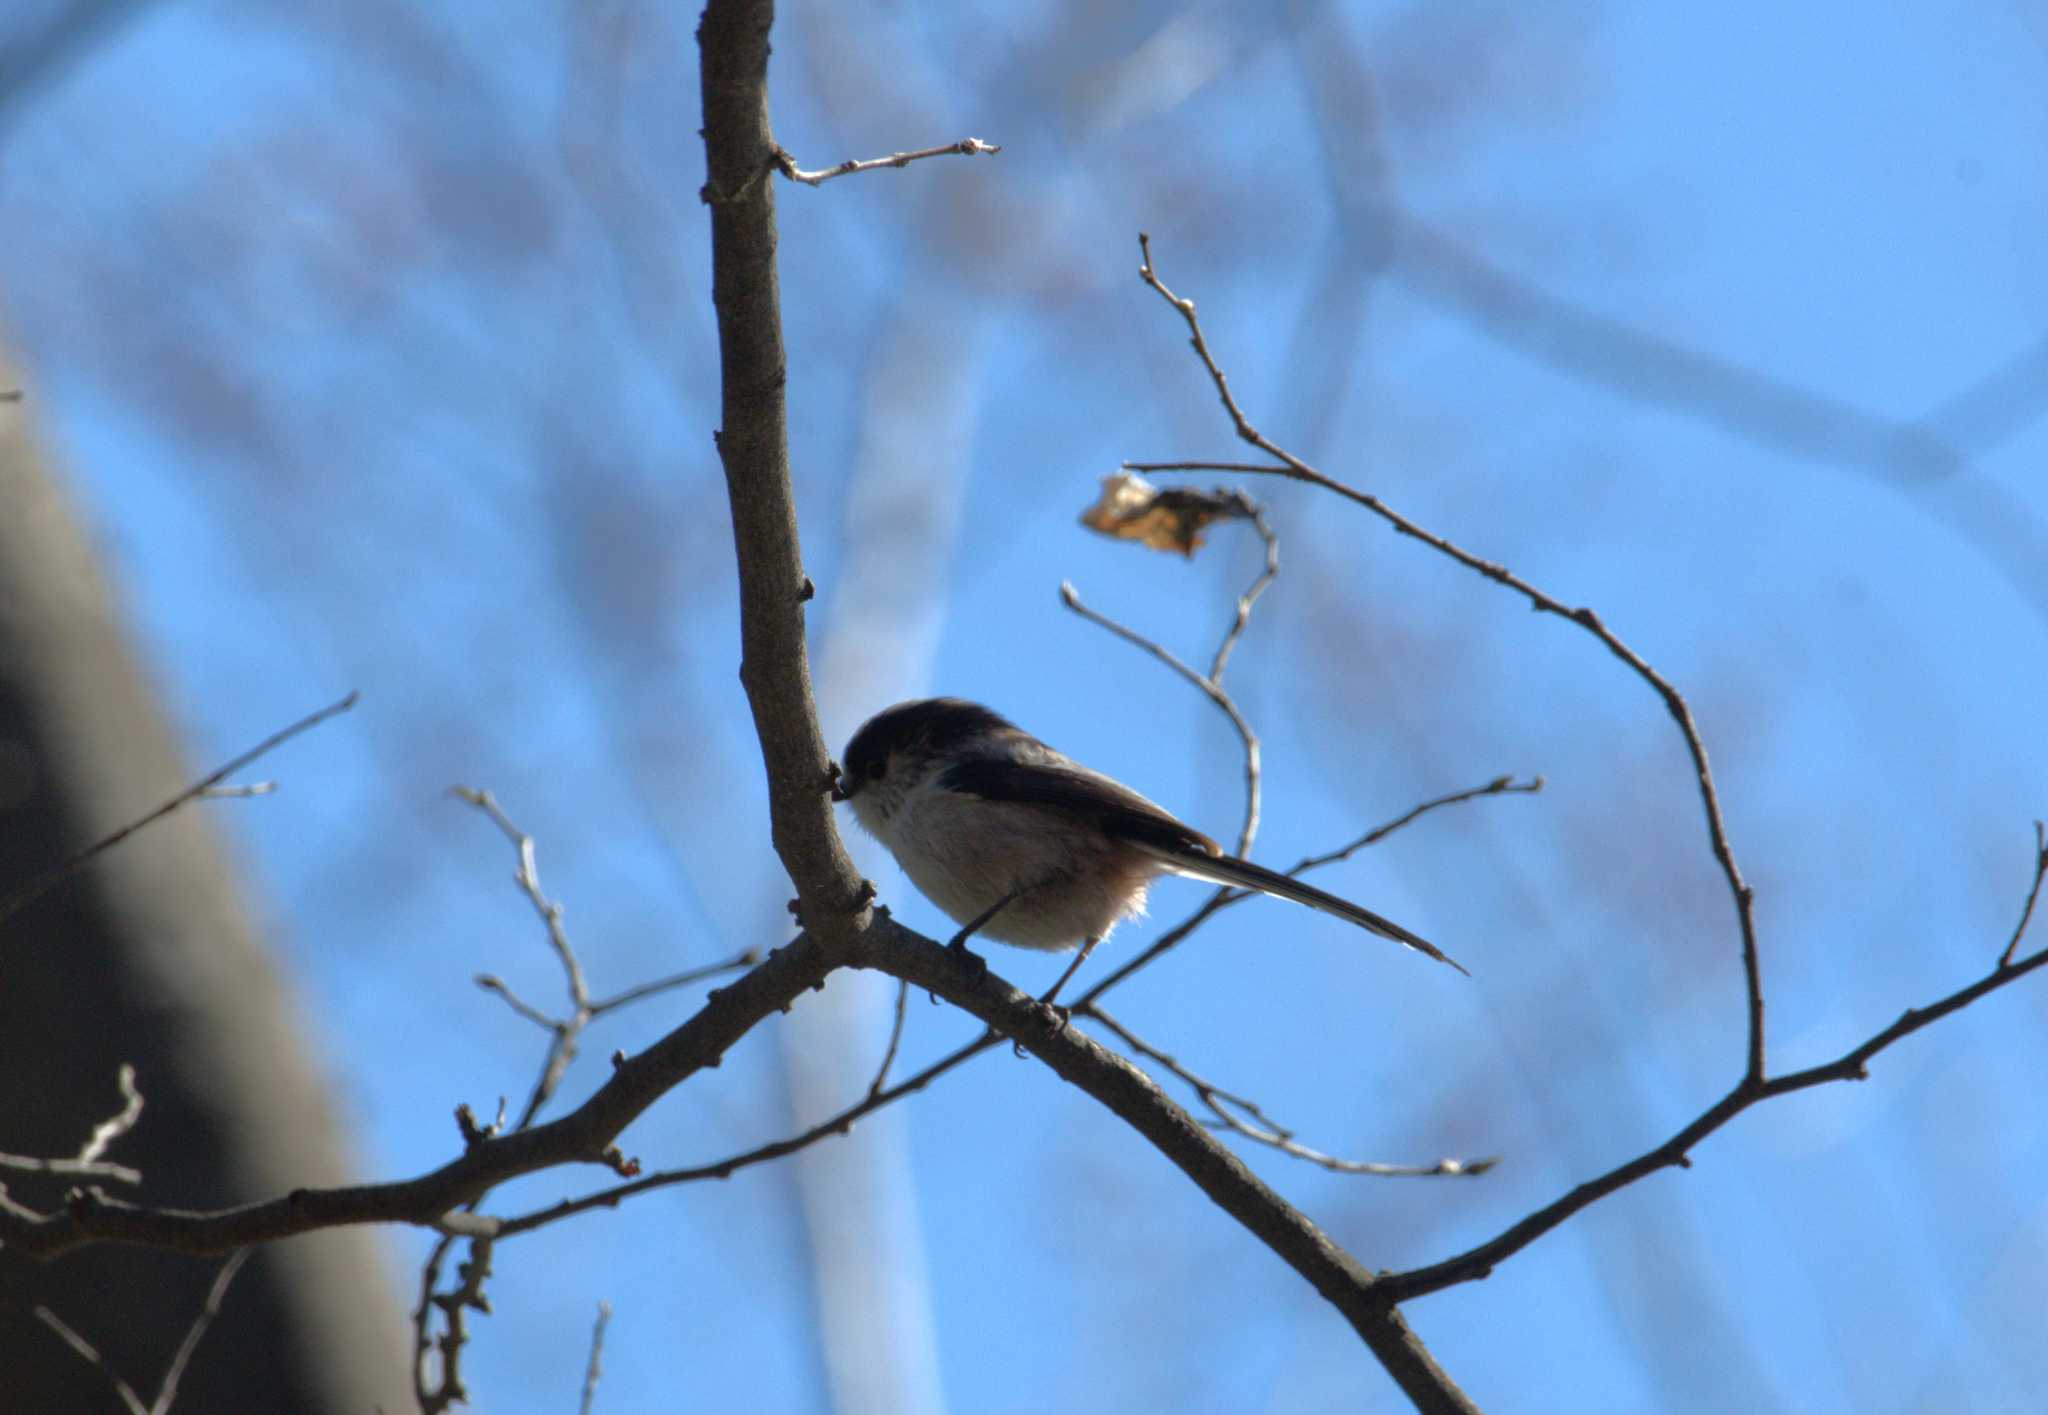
{"type": "Point", "coordinates": [1120, 813]}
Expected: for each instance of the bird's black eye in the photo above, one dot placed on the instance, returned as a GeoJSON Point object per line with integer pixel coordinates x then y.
{"type": "Point", "coordinates": [877, 769]}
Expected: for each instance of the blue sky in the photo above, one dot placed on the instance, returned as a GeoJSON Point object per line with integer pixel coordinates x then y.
{"type": "Point", "coordinates": [378, 348]}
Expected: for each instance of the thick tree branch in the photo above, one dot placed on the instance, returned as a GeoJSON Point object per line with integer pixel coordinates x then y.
{"type": "Point", "coordinates": [584, 1135]}
{"type": "Point", "coordinates": [740, 151]}
{"type": "Point", "coordinates": [753, 444]}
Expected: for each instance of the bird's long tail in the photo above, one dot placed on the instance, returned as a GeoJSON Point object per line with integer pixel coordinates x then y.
{"type": "Point", "coordinates": [1243, 874]}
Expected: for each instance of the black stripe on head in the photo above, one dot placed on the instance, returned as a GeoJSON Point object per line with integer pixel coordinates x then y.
{"type": "Point", "coordinates": [924, 725]}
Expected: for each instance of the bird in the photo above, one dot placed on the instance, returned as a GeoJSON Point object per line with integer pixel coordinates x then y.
{"type": "Point", "coordinates": [1016, 841]}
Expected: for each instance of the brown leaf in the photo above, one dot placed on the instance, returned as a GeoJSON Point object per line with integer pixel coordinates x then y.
{"type": "Point", "coordinates": [1172, 518]}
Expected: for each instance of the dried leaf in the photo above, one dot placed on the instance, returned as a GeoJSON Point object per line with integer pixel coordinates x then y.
{"type": "Point", "coordinates": [1172, 518]}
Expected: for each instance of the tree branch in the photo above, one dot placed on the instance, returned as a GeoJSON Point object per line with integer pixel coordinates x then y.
{"type": "Point", "coordinates": [966, 147]}
{"type": "Point", "coordinates": [1754, 1086]}
{"type": "Point", "coordinates": [26, 895]}
{"type": "Point", "coordinates": [1676, 1152]}
{"type": "Point", "coordinates": [753, 446]}
{"type": "Point", "coordinates": [1295, 469]}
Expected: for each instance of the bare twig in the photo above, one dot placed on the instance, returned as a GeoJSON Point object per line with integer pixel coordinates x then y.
{"type": "Point", "coordinates": [567, 1030]}
{"type": "Point", "coordinates": [591, 1370]}
{"type": "Point", "coordinates": [113, 1128]}
{"type": "Point", "coordinates": [49, 879]}
{"type": "Point", "coordinates": [527, 877]}
{"type": "Point", "coordinates": [1242, 1116]}
{"type": "Point", "coordinates": [2033, 893]}
{"type": "Point", "coordinates": [1674, 702]}
{"type": "Point", "coordinates": [167, 1390]}
{"type": "Point", "coordinates": [1499, 786]}
{"type": "Point", "coordinates": [445, 1391]}
{"type": "Point", "coordinates": [1249, 468]}
{"type": "Point", "coordinates": [745, 958]}
{"type": "Point", "coordinates": [1676, 1151]}
{"type": "Point", "coordinates": [87, 1163]}
{"type": "Point", "coordinates": [70, 1168]}
{"type": "Point", "coordinates": [86, 1349]}
{"type": "Point", "coordinates": [838, 1124]}
{"type": "Point", "coordinates": [1211, 685]}
{"type": "Point", "coordinates": [1213, 690]}
{"type": "Point", "coordinates": [491, 982]}
{"type": "Point", "coordinates": [564, 1034]}
{"type": "Point", "coordinates": [454, 1307]}
{"type": "Point", "coordinates": [1268, 572]}
{"type": "Point", "coordinates": [966, 147]}
{"type": "Point", "coordinates": [895, 1039]}
{"type": "Point", "coordinates": [1224, 898]}
{"type": "Point", "coordinates": [1754, 1086]}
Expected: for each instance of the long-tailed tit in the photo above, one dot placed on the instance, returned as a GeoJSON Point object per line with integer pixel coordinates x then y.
{"type": "Point", "coordinates": [1014, 840]}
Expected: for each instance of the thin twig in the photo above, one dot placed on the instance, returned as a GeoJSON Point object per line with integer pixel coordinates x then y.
{"type": "Point", "coordinates": [491, 982]}
{"type": "Point", "coordinates": [70, 1168]}
{"type": "Point", "coordinates": [87, 1162]}
{"type": "Point", "coordinates": [1250, 468]}
{"type": "Point", "coordinates": [527, 877]}
{"type": "Point", "coordinates": [591, 1370]}
{"type": "Point", "coordinates": [1223, 898]}
{"type": "Point", "coordinates": [895, 1039]}
{"type": "Point", "coordinates": [50, 878]}
{"type": "Point", "coordinates": [1214, 692]}
{"type": "Point", "coordinates": [167, 1389]}
{"type": "Point", "coordinates": [454, 1307]}
{"type": "Point", "coordinates": [238, 793]}
{"type": "Point", "coordinates": [565, 1031]}
{"type": "Point", "coordinates": [2033, 893]}
{"type": "Point", "coordinates": [1499, 786]}
{"type": "Point", "coordinates": [1674, 702]}
{"type": "Point", "coordinates": [1676, 1151]}
{"type": "Point", "coordinates": [112, 1129]}
{"type": "Point", "coordinates": [745, 958]}
{"type": "Point", "coordinates": [1268, 572]}
{"type": "Point", "coordinates": [839, 1124]}
{"type": "Point", "coordinates": [432, 1400]}
{"type": "Point", "coordinates": [966, 147]}
{"type": "Point", "coordinates": [1212, 684]}
{"type": "Point", "coordinates": [93, 1358]}
{"type": "Point", "coordinates": [1226, 1106]}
